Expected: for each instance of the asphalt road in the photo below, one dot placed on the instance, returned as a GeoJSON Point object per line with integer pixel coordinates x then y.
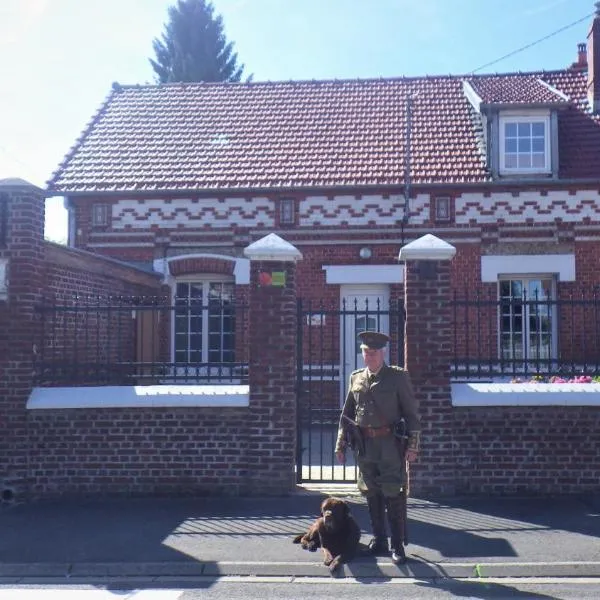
{"type": "Point", "coordinates": [322, 588]}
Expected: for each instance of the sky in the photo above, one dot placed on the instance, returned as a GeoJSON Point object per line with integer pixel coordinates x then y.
{"type": "Point", "coordinates": [58, 58]}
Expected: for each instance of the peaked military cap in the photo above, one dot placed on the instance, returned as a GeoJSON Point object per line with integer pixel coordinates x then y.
{"type": "Point", "coordinates": [373, 339]}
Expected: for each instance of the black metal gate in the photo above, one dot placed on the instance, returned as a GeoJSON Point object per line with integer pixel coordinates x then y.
{"type": "Point", "coordinates": [328, 352]}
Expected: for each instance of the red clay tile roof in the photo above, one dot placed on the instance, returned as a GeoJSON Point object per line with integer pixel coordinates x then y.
{"type": "Point", "coordinates": [578, 130]}
{"type": "Point", "coordinates": [515, 89]}
{"type": "Point", "coordinates": [275, 135]}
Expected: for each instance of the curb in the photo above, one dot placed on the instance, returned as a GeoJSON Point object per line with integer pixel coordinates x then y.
{"type": "Point", "coordinates": [382, 569]}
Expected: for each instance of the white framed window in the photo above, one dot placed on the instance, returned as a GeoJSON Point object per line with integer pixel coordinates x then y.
{"type": "Point", "coordinates": [524, 144]}
{"type": "Point", "coordinates": [204, 324]}
{"type": "Point", "coordinates": [100, 215]}
{"type": "Point", "coordinates": [527, 319]}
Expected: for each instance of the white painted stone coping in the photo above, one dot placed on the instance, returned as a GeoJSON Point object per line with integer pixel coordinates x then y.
{"type": "Point", "coordinates": [139, 396]}
{"type": "Point", "coordinates": [427, 247]}
{"type": "Point", "coordinates": [525, 394]}
{"type": "Point", "coordinates": [272, 247]}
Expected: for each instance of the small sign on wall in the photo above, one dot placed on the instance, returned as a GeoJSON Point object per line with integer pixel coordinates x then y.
{"type": "Point", "coordinates": [316, 320]}
{"type": "Point", "coordinates": [273, 279]}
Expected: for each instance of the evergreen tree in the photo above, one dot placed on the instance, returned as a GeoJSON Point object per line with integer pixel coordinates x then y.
{"type": "Point", "coordinates": [193, 46]}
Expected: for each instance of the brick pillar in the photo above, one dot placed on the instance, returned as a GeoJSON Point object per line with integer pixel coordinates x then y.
{"type": "Point", "coordinates": [22, 258]}
{"type": "Point", "coordinates": [428, 356]}
{"type": "Point", "coordinates": [272, 365]}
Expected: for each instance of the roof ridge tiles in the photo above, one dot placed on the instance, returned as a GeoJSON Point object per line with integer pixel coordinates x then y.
{"type": "Point", "coordinates": [519, 73]}
{"type": "Point", "coordinates": [335, 80]}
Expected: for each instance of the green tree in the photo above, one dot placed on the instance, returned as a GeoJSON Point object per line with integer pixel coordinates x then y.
{"type": "Point", "coordinates": [193, 46]}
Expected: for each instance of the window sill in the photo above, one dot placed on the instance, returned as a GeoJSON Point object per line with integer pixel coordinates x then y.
{"type": "Point", "coordinates": [139, 396]}
{"type": "Point", "coordinates": [525, 394]}
{"type": "Point", "coordinates": [542, 174]}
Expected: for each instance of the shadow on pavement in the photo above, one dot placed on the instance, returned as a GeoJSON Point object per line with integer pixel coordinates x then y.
{"type": "Point", "coordinates": [426, 530]}
{"type": "Point", "coordinates": [207, 536]}
{"type": "Point", "coordinates": [95, 538]}
{"type": "Point", "coordinates": [575, 514]}
{"type": "Point", "coordinates": [483, 591]}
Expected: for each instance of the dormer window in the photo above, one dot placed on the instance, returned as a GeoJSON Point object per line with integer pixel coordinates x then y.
{"type": "Point", "coordinates": [524, 145]}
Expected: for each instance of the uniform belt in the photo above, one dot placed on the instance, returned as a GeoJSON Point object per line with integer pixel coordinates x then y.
{"type": "Point", "coordinates": [373, 432]}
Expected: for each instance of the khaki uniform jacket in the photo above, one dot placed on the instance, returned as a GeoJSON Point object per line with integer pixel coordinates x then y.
{"type": "Point", "coordinates": [380, 403]}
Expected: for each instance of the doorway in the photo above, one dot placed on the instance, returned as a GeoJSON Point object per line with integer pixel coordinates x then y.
{"type": "Point", "coordinates": [363, 307]}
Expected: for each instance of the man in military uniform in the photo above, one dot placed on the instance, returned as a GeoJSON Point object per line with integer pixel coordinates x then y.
{"type": "Point", "coordinates": [380, 416]}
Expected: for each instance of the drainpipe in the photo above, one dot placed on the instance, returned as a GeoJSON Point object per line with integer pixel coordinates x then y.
{"type": "Point", "coordinates": [407, 157]}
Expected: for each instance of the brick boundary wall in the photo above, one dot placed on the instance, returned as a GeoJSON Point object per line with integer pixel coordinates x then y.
{"type": "Point", "coordinates": [503, 450]}
{"type": "Point", "coordinates": [135, 451]}
{"type": "Point", "coordinates": [486, 450]}
{"type": "Point", "coordinates": [427, 359]}
{"type": "Point", "coordinates": [85, 451]}
{"type": "Point", "coordinates": [272, 372]}
{"type": "Point", "coordinates": [25, 253]}
{"type": "Point", "coordinates": [227, 451]}
{"type": "Point", "coordinates": [129, 451]}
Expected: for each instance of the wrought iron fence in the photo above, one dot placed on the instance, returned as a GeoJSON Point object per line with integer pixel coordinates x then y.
{"type": "Point", "coordinates": [140, 340]}
{"type": "Point", "coordinates": [524, 336]}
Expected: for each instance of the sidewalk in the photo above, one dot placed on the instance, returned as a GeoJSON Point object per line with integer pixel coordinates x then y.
{"type": "Point", "coordinates": [186, 537]}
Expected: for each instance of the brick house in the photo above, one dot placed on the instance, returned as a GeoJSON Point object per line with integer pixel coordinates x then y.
{"type": "Point", "coordinates": [181, 179]}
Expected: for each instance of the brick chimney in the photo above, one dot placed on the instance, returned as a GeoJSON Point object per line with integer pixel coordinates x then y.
{"type": "Point", "coordinates": [593, 61]}
{"type": "Point", "coordinates": [581, 63]}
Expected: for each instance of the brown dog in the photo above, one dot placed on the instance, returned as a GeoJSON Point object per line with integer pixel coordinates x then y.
{"type": "Point", "coordinates": [335, 532]}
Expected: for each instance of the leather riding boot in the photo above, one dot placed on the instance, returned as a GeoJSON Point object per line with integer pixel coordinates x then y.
{"type": "Point", "coordinates": [395, 515]}
{"type": "Point", "coordinates": [379, 544]}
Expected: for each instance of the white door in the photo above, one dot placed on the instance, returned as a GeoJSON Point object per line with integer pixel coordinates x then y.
{"type": "Point", "coordinates": [363, 307]}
